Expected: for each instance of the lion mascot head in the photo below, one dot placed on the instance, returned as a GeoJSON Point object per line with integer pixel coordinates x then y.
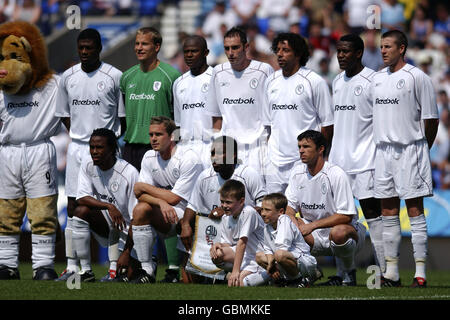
{"type": "Point", "coordinates": [24, 56]}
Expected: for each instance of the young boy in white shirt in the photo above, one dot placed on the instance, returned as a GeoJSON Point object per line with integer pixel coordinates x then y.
{"type": "Point", "coordinates": [242, 234]}
{"type": "Point", "coordinates": [286, 256]}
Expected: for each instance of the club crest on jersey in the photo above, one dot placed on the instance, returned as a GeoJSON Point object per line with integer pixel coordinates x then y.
{"type": "Point", "coordinates": [114, 186]}
{"type": "Point", "coordinates": [253, 83]}
{"type": "Point", "coordinates": [176, 173]}
{"type": "Point", "coordinates": [324, 188]}
{"type": "Point", "coordinates": [358, 90]}
{"type": "Point", "coordinates": [156, 85]}
{"type": "Point", "coordinates": [400, 83]}
{"type": "Point", "coordinates": [205, 87]}
{"type": "Point", "coordinates": [101, 86]}
{"type": "Point", "coordinates": [299, 89]}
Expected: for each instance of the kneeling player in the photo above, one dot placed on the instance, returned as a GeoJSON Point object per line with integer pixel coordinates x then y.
{"type": "Point", "coordinates": [242, 234]}
{"type": "Point", "coordinates": [105, 201]}
{"type": "Point", "coordinates": [286, 255]}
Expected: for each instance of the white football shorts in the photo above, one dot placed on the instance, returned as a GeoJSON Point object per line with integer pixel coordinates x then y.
{"type": "Point", "coordinates": [76, 152]}
{"type": "Point", "coordinates": [403, 171]}
{"type": "Point", "coordinates": [362, 184]}
{"type": "Point", "coordinates": [322, 244]}
{"type": "Point", "coordinates": [28, 170]}
{"type": "Point", "coordinates": [277, 177]}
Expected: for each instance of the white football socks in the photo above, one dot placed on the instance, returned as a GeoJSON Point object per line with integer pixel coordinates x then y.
{"type": "Point", "coordinates": [71, 255]}
{"type": "Point", "coordinates": [9, 251]}
{"type": "Point", "coordinates": [81, 237]}
{"type": "Point", "coordinates": [391, 239]}
{"type": "Point", "coordinates": [143, 238]}
{"type": "Point", "coordinates": [346, 252]}
{"type": "Point", "coordinates": [43, 250]}
{"type": "Point", "coordinates": [419, 239]}
{"type": "Point", "coordinates": [376, 236]}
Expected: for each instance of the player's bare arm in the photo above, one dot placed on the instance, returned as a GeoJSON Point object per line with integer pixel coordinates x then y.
{"type": "Point", "coordinates": [328, 222]}
{"type": "Point", "coordinates": [186, 229]}
{"type": "Point", "coordinates": [141, 188]}
{"type": "Point", "coordinates": [114, 213]}
{"type": "Point", "coordinates": [168, 212]}
{"type": "Point", "coordinates": [431, 128]}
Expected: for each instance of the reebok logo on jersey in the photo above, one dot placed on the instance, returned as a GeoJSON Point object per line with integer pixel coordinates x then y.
{"type": "Point", "coordinates": [313, 206]}
{"type": "Point", "coordinates": [87, 102]}
{"type": "Point", "coordinates": [386, 101]}
{"type": "Point", "coordinates": [12, 105]}
{"type": "Point", "coordinates": [187, 106]}
{"type": "Point", "coordinates": [284, 107]}
{"type": "Point", "coordinates": [238, 101]}
{"type": "Point", "coordinates": [142, 96]}
{"type": "Point", "coordinates": [343, 108]}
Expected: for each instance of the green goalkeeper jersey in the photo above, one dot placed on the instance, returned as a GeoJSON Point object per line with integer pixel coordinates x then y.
{"type": "Point", "coordinates": [147, 94]}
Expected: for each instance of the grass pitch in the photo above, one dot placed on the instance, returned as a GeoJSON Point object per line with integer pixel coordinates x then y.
{"type": "Point", "coordinates": [27, 289]}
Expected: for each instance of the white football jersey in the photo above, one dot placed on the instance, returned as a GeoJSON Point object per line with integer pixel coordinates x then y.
{"type": "Point", "coordinates": [322, 195]}
{"type": "Point", "coordinates": [114, 185]}
{"type": "Point", "coordinates": [205, 196]}
{"type": "Point", "coordinates": [189, 104]}
{"type": "Point", "coordinates": [401, 101]}
{"type": "Point", "coordinates": [285, 237]}
{"type": "Point", "coordinates": [292, 105]}
{"type": "Point", "coordinates": [248, 224]}
{"type": "Point", "coordinates": [30, 117]}
{"type": "Point", "coordinates": [353, 148]}
{"type": "Point", "coordinates": [178, 174]}
{"type": "Point", "coordinates": [237, 97]}
{"type": "Point", "coordinates": [91, 100]}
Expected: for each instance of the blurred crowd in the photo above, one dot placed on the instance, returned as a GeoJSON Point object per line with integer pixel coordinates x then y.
{"type": "Point", "coordinates": [322, 22]}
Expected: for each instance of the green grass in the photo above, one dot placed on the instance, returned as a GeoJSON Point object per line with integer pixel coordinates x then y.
{"type": "Point", "coordinates": [27, 289]}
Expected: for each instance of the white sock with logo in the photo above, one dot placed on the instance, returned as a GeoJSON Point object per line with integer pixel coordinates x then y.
{"type": "Point", "coordinates": [143, 238]}
{"type": "Point", "coordinates": [9, 251]}
{"type": "Point", "coordinates": [256, 279]}
{"type": "Point", "coordinates": [391, 238]}
{"type": "Point", "coordinates": [43, 250]}
{"type": "Point", "coordinates": [72, 260]}
{"type": "Point", "coordinates": [419, 239]}
{"type": "Point", "coordinates": [376, 236]}
{"type": "Point", "coordinates": [82, 241]}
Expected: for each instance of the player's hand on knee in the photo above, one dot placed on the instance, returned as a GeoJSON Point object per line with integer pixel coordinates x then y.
{"type": "Point", "coordinates": [168, 212]}
{"type": "Point", "coordinates": [117, 218]}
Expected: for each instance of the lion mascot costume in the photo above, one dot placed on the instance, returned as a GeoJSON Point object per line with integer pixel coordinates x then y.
{"type": "Point", "coordinates": [28, 90]}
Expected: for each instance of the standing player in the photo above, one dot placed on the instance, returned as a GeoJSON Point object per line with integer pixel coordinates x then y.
{"type": "Point", "coordinates": [235, 98]}
{"type": "Point", "coordinates": [165, 184]}
{"type": "Point", "coordinates": [89, 97]}
{"type": "Point", "coordinates": [405, 122]}
{"type": "Point", "coordinates": [296, 99]}
{"type": "Point", "coordinates": [28, 164]}
{"type": "Point", "coordinates": [322, 194]}
{"type": "Point", "coordinates": [353, 148]}
{"type": "Point", "coordinates": [105, 200]}
{"type": "Point", "coordinates": [147, 89]}
{"type": "Point", "coordinates": [189, 94]}
{"type": "Point", "coordinates": [205, 196]}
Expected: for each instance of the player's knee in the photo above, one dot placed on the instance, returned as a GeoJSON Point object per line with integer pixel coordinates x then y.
{"type": "Point", "coordinates": [280, 256]}
{"type": "Point", "coordinates": [260, 258]}
{"type": "Point", "coordinates": [341, 233]}
{"type": "Point", "coordinates": [141, 214]}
